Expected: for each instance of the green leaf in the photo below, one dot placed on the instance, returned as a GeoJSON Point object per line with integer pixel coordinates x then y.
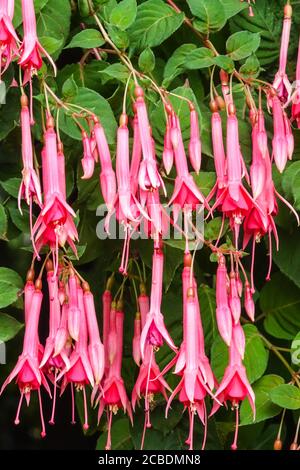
{"type": "Point", "coordinates": [69, 88]}
{"type": "Point", "coordinates": [176, 63]}
{"type": "Point", "coordinates": [286, 396]}
{"type": "Point", "coordinates": [9, 327]}
{"type": "Point", "coordinates": [114, 72]}
{"type": "Point", "coordinates": [241, 44]}
{"type": "Point", "coordinates": [287, 257]}
{"type": "Point", "coordinates": [11, 186]}
{"type": "Point", "coordinates": [147, 60]}
{"type": "Point", "coordinates": [3, 223]}
{"type": "Point", "coordinates": [199, 59]}
{"type": "Point", "coordinates": [232, 7]}
{"type": "Point", "coordinates": [296, 190]}
{"type": "Point", "coordinates": [9, 112]}
{"type": "Point", "coordinates": [95, 103]}
{"type": "Point", "coordinates": [225, 63]}
{"type": "Point", "coordinates": [155, 22]}
{"type": "Point", "coordinates": [86, 39]}
{"type": "Point", "coordinates": [280, 301]}
{"type": "Point", "coordinates": [123, 15]}
{"type": "Point", "coordinates": [287, 181]}
{"type": "Point", "coordinates": [251, 68]}
{"type": "Point", "coordinates": [210, 15]}
{"type": "Point", "coordinates": [265, 409]}
{"type": "Point", "coordinates": [205, 181]}
{"type": "Point", "coordinates": [11, 277]}
{"type": "Point", "coordinates": [8, 293]}
{"type": "Point", "coordinates": [53, 21]}
{"type": "Point", "coordinates": [120, 38]}
{"type": "Point", "coordinates": [207, 299]}
{"type": "Point", "coordinates": [256, 355]}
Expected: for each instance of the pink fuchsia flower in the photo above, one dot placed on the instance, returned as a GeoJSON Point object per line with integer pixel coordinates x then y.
{"type": "Point", "coordinates": [87, 161]}
{"type": "Point", "coordinates": [192, 387]}
{"type": "Point", "coordinates": [8, 36]}
{"type": "Point", "coordinates": [235, 386]}
{"type": "Point", "coordinates": [195, 142]}
{"type": "Point", "coordinates": [74, 316]}
{"type": "Point", "coordinates": [281, 82]}
{"type": "Point", "coordinates": [249, 302]}
{"type": "Point", "coordinates": [107, 175]}
{"type": "Point", "coordinates": [186, 193]}
{"type": "Point", "coordinates": [30, 188]}
{"type": "Point", "coordinates": [79, 373]}
{"type": "Point", "coordinates": [223, 313]}
{"type": "Point", "coordinates": [234, 200]}
{"type": "Point", "coordinates": [106, 307]}
{"type": "Point", "coordinates": [218, 147]}
{"type": "Point", "coordinates": [154, 331]}
{"type": "Point", "coordinates": [54, 225]}
{"type": "Point", "coordinates": [31, 49]}
{"type": "Point", "coordinates": [234, 298]}
{"type": "Point", "coordinates": [113, 396]}
{"type": "Point", "coordinates": [279, 143]}
{"type": "Point", "coordinates": [127, 206]}
{"type": "Point", "coordinates": [136, 156]}
{"type": "Point", "coordinates": [50, 362]}
{"type": "Point", "coordinates": [27, 373]}
{"type": "Point", "coordinates": [168, 154]}
{"type": "Point", "coordinates": [136, 339]}
{"type": "Point", "coordinates": [150, 381]}
{"type": "Point", "coordinates": [257, 170]}
{"type": "Point", "coordinates": [149, 177]}
{"type": "Point", "coordinates": [95, 346]}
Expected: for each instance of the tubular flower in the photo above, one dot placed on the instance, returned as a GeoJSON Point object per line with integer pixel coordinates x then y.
{"type": "Point", "coordinates": [30, 188]}
{"type": "Point", "coordinates": [281, 82]}
{"type": "Point", "coordinates": [79, 373]}
{"type": "Point", "coordinates": [149, 381]}
{"type": "Point", "coordinates": [8, 36]}
{"type": "Point", "coordinates": [113, 396]}
{"type": "Point", "coordinates": [149, 177]}
{"type": "Point", "coordinates": [31, 49]}
{"type": "Point", "coordinates": [27, 373]}
{"type": "Point", "coordinates": [55, 224]}
{"type": "Point", "coordinates": [154, 331]}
